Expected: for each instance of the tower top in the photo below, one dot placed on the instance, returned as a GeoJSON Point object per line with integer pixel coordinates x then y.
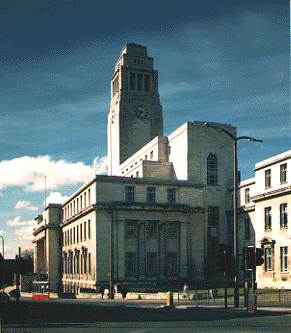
{"type": "Point", "coordinates": [134, 49]}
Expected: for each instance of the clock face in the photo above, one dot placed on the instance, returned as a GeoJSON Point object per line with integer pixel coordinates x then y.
{"type": "Point", "coordinates": [141, 113]}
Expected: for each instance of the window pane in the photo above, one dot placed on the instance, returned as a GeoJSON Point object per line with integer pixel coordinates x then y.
{"type": "Point", "coordinates": [212, 177]}
{"type": "Point", "coordinates": [132, 81]}
{"type": "Point", "coordinates": [129, 193]}
{"type": "Point", "coordinates": [151, 197]}
{"type": "Point", "coordinates": [171, 195]}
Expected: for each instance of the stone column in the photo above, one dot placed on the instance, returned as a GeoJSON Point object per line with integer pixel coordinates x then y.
{"type": "Point", "coordinates": [142, 251]}
{"type": "Point", "coordinates": [183, 249]}
{"type": "Point", "coordinates": [162, 249]}
{"type": "Point", "coordinates": [121, 257]}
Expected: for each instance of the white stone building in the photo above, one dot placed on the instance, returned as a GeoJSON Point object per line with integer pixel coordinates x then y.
{"type": "Point", "coordinates": [160, 214]}
{"type": "Point", "coordinates": [265, 207]}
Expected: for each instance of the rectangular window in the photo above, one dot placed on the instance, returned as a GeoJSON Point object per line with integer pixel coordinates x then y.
{"type": "Point", "coordinates": [130, 263]}
{"type": "Point", "coordinates": [247, 196]}
{"type": "Point", "coordinates": [81, 233]}
{"type": "Point", "coordinates": [85, 201]}
{"type": "Point", "coordinates": [130, 229]}
{"type": "Point", "coordinates": [169, 150]}
{"type": "Point", "coordinates": [171, 264]}
{"type": "Point", "coordinates": [137, 174]}
{"type": "Point", "coordinates": [152, 263]}
{"type": "Point", "coordinates": [81, 198]}
{"type": "Point", "coordinates": [268, 259]}
{"type": "Point", "coordinates": [147, 83]}
{"type": "Point", "coordinates": [85, 262]}
{"type": "Point", "coordinates": [268, 218]}
{"type": "Point", "coordinates": [71, 238]}
{"type": "Point", "coordinates": [89, 263]}
{"type": "Point", "coordinates": [74, 207]}
{"type": "Point", "coordinates": [213, 215]}
{"type": "Point", "coordinates": [74, 234]}
{"type": "Point", "coordinates": [85, 230]}
{"type": "Point", "coordinates": [283, 173]}
{"type": "Point", "coordinates": [77, 204]}
{"type": "Point", "coordinates": [129, 193]}
{"type": "Point", "coordinates": [89, 229]}
{"type": "Point", "coordinates": [77, 234]}
{"type": "Point", "coordinates": [151, 194]}
{"type": "Point", "coordinates": [247, 229]}
{"type": "Point", "coordinates": [283, 216]}
{"type": "Point", "coordinates": [139, 82]}
{"type": "Point", "coordinates": [132, 81]}
{"type": "Point", "coordinates": [171, 195]}
{"type": "Point", "coordinates": [268, 178]}
{"type": "Point", "coordinates": [64, 238]}
{"type": "Point", "coordinates": [284, 258]}
{"type": "Point", "coordinates": [151, 229]}
{"type": "Point", "coordinates": [151, 155]}
{"type": "Point", "coordinates": [172, 231]}
{"type": "Point", "coordinates": [89, 197]}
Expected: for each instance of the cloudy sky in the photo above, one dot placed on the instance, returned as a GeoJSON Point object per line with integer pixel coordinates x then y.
{"type": "Point", "coordinates": [222, 61]}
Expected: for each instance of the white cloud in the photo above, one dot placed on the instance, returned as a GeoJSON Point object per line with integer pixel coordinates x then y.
{"type": "Point", "coordinates": [56, 198]}
{"type": "Point", "coordinates": [100, 165]}
{"type": "Point", "coordinates": [30, 172]}
{"type": "Point", "coordinates": [25, 232]}
{"type": "Point", "coordinates": [25, 204]}
{"type": "Point", "coordinates": [17, 222]}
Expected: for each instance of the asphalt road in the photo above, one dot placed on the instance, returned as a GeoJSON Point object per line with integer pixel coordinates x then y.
{"type": "Point", "coordinates": [137, 317]}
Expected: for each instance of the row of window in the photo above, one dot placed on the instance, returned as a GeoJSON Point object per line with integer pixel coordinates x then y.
{"type": "Point", "coordinates": [283, 176]}
{"type": "Point", "coordinates": [77, 205]}
{"type": "Point", "coordinates": [170, 267]}
{"type": "Point", "coordinates": [151, 229]}
{"type": "Point", "coordinates": [270, 262]}
{"type": "Point", "coordinates": [151, 194]}
{"type": "Point", "coordinates": [146, 157]}
{"type": "Point", "coordinates": [140, 82]}
{"type": "Point", "coordinates": [283, 217]}
{"type": "Point", "coordinates": [77, 234]}
{"type": "Point", "coordinates": [80, 263]}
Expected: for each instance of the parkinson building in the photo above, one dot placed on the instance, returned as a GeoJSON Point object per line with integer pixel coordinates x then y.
{"type": "Point", "coordinates": [159, 215]}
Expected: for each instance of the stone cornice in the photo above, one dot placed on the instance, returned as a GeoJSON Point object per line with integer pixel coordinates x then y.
{"type": "Point", "coordinates": [268, 195]}
{"type": "Point", "coordinates": [279, 160]}
{"type": "Point", "coordinates": [44, 227]}
{"type": "Point", "coordinates": [78, 215]}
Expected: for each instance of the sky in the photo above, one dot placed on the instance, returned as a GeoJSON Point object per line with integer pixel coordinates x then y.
{"type": "Point", "coordinates": [219, 61]}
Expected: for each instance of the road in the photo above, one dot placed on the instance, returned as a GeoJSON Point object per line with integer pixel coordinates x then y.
{"type": "Point", "coordinates": [61, 315]}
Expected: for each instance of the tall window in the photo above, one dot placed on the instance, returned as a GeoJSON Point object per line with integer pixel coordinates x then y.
{"type": "Point", "coordinates": [268, 178]}
{"type": "Point", "coordinates": [77, 234]}
{"type": "Point", "coordinates": [85, 200]}
{"type": "Point", "coordinates": [77, 204]}
{"type": "Point", "coordinates": [130, 263]}
{"type": "Point", "coordinates": [74, 235]}
{"type": "Point", "coordinates": [283, 216]}
{"type": "Point", "coordinates": [89, 229]}
{"type": "Point", "coordinates": [81, 199]}
{"type": "Point", "coordinates": [268, 218]}
{"type": "Point", "coordinates": [89, 263]}
{"type": "Point", "coordinates": [268, 259]}
{"type": "Point", "coordinates": [283, 173]}
{"type": "Point", "coordinates": [152, 263]}
{"type": "Point", "coordinates": [89, 197]}
{"type": "Point", "coordinates": [171, 264]}
{"type": "Point", "coordinates": [172, 231]}
{"type": "Point", "coordinates": [129, 193]}
{"type": "Point", "coordinates": [85, 262]}
{"type": "Point", "coordinates": [247, 196]}
{"type": "Point", "coordinates": [213, 215]}
{"type": "Point", "coordinates": [147, 83]}
{"type": "Point", "coordinates": [213, 230]}
{"type": "Point", "coordinates": [151, 194]}
{"type": "Point", "coordinates": [85, 230]}
{"type": "Point", "coordinates": [284, 258]}
{"type": "Point", "coordinates": [130, 229]}
{"type": "Point", "coordinates": [132, 81]}
{"type": "Point", "coordinates": [81, 233]}
{"type": "Point", "coordinates": [171, 195]}
{"type": "Point", "coordinates": [212, 174]}
{"type": "Point", "coordinates": [247, 229]}
{"type": "Point", "coordinates": [151, 229]}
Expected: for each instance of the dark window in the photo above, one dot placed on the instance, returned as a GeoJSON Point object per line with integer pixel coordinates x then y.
{"type": "Point", "coordinates": [89, 229]}
{"type": "Point", "coordinates": [268, 259]}
{"type": "Point", "coordinates": [283, 216]}
{"type": "Point", "coordinates": [85, 262]}
{"type": "Point", "coordinates": [172, 231]}
{"type": "Point", "coordinates": [247, 229]}
{"type": "Point", "coordinates": [132, 81]}
{"type": "Point", "coordinates": [283, 173]}
{"type": "Point", "coordinates": [130, 229]}
{"type": "Point", "coordinates": [151, 229]}
{"type": "Point", "coordinates": [89, 263]}
{"type": "Point", "coordinates": [152, 263]}
{"type": "Point", "coordinates": [151, 155]}
{"type": "Point", "coordinates": [85, 230]}
{"type": "Point", "coordinates": [213, 215]}
{"type": "Point", "coordinates": [151, 194]}
{"type": "Point", "coordinates": [247, 196]}
{"type": "Point", "coordinates": [171, 264]}
{"type": "Point", "coordinates": [268, 178]}
{"type": "Point", "coordinates": [139, 82]}
{"type": "Point", "coordinates": [130, 263]}
{"type": "Point", "coordinates": [77, 234]}
{"type": "Point", "coordinates": [268, 218]}
{"type": "Point", "coordinates": [171, 195]}
{"type": "Point", "coordinates": [129, 193]}
{"type": "Point", "coordinates": [212, 175]}
{"type": "Point", "coordinates": [81, 233]}
{"type": "Point", "coordinates": [74, 235]}
{"type": "Point", "coordinates": [284, 258]}
{"type": "Point", "coordinates": [147, 83]}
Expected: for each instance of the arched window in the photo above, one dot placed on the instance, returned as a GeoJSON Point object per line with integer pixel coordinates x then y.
{"type": "Point", "coordinates": [212, 174]}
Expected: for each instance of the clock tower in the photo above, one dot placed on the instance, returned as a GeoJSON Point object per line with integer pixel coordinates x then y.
{"type": "Point", "coordinates": [135, 116]}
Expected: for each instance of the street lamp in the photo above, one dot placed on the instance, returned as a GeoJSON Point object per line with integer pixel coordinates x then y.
{"type": "Point", "coordinates": [3, 268]}
{"type": "Point", "coordinates": [235, 228]}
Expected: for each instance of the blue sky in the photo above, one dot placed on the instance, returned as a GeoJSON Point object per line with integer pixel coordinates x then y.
{"type": "Point", "coordinates": [221, 61]}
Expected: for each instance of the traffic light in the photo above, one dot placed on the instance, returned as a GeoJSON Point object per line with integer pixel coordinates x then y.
{"type": "Point", "coordinates": [259, 257]}
{"type": "Point", "coordinates": [250, 257]}
{"type": "Point", "coordinates": [224, 258]}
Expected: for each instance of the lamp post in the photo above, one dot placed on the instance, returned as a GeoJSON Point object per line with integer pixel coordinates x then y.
{"type": "Point", "coordinates": [235, 226]}
{"type": "Point", "coordinates": [3, 268]}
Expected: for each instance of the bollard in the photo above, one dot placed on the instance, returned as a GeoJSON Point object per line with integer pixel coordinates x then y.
{"type": "Point", "coordinates": [170, 298]}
